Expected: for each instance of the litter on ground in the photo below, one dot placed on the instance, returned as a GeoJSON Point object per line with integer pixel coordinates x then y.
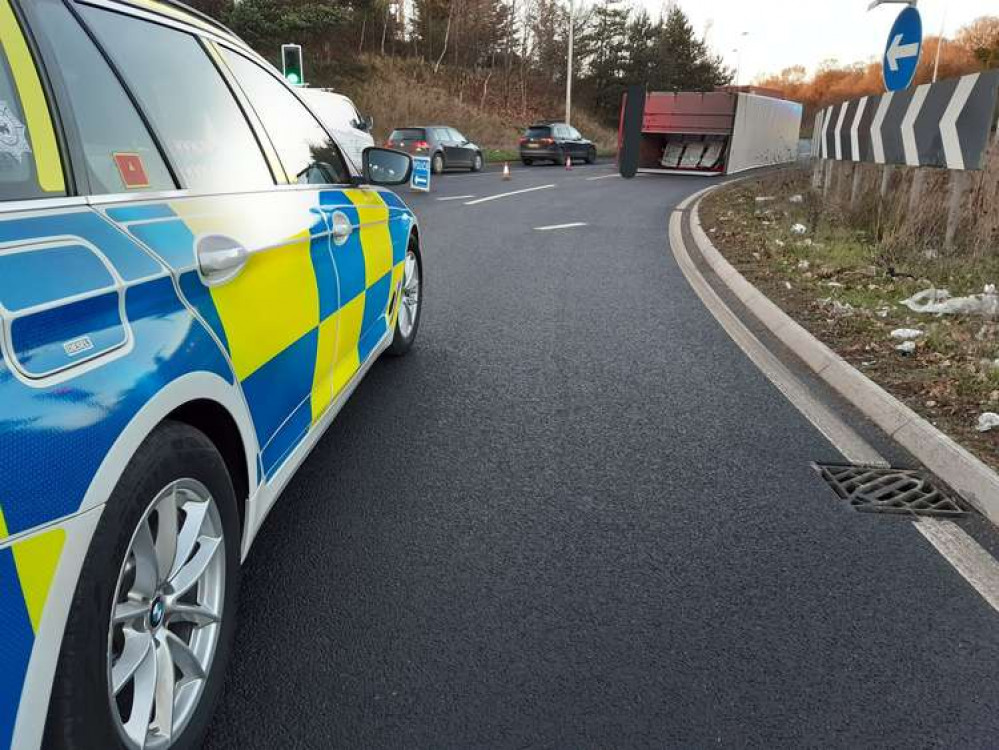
{"type": "Point", "coordinates": [908, 347]}
{"type": "Point", "coordinates": [799, 229]}
{"type": "Point", "coordinates": [988, 421]}
{"type": "Point", "coordinates": [906, 334]}
{"type": "Point", "coordinates": [940, 302]}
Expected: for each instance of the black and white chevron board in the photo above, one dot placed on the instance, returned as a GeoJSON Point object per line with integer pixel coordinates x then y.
{"type": "Point", "coordinates": [946, 124]}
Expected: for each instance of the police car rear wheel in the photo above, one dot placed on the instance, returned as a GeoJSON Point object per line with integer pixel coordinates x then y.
{"type": "Point", "coordinates": [410, 304]}
{"type": "Point", "coordinates": [152, 620]}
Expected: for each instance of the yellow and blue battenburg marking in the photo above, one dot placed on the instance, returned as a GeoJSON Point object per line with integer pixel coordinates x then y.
{"type": "Point", "coordinates": [26, 572]}
{"type": "Point", "coordinates": [305, 312]}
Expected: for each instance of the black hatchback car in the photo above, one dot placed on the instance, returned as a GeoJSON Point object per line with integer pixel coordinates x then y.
{"type": "Point", "coordinates": [555, 141]}
{"type": "Point", "coordinates": [446, 147]}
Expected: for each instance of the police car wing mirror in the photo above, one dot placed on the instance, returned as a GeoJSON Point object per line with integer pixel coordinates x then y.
{"type": "Point", "coordinates": [383, 166]}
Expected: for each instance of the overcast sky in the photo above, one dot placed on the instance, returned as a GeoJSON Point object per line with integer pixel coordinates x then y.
{"type": "Point", "coordinates": [783, 33]}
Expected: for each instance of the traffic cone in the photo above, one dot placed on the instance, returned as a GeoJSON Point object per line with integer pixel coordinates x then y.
{"type": "Point", "coordinates": [506, 170]}
{"type": "Point", "coordinates": [568, 162]}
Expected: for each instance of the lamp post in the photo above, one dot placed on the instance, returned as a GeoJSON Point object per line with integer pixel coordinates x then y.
{"type": "Point", "coordinates": [568, 73]}
{"type": "Point", "coordinates": [738, 51]}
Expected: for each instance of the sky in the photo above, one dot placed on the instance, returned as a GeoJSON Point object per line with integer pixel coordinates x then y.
{"type": "Point", "coordinates": [783, 33]}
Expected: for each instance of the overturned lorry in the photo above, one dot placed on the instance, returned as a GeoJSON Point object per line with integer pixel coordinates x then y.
{"type": "Point", "coordinates": [710, 133]}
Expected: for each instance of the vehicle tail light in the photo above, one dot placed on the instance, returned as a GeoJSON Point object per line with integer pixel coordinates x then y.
{"type": "Point", "coordinates": [421, 144]}
{"type": "Point", "coordinates": [389, 144]}
{"type": "Point", "coordinates": [548, 141]}
{"type": "Point", "coordinates": [523, 141]}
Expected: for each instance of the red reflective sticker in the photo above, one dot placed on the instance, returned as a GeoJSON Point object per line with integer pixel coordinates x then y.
{"type": "Point", "coordinates": [132, 170]}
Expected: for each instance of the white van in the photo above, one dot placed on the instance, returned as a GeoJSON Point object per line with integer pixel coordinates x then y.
{"type": "Point", "coordinates": [338, 113]}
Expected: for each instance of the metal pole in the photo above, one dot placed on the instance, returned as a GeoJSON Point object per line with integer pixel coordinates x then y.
{"type": "Point", "coordinates": [940, 44]}
{"type": "Point", "coordinates": [568, 74]}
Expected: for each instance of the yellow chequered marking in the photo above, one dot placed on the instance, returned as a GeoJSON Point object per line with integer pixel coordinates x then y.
{"type": "Point", "coordinates": [322, 383]}
{"type": "Point", "coordinates": [376, 240]}
{"type": "Point", "coordinates": [274, 301]}
{"type": "Point", "coordinates": [36, 111]}
{"type": "Point", "coordinates": [36, 559]}
{"type": "Point", "coordinates": [348, 336]}
{"type": "Point", "coordinates": [269, 306]}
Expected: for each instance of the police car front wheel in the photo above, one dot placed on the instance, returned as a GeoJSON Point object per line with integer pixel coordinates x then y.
{"type": "Point", "coordinates": [153, 616]}
{"type": "Point", "coordinates": [410, 303]}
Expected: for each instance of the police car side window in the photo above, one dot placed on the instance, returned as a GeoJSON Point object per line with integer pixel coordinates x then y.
{"type": "Point", "coordinates": [18, 171]}
{"type": "Point", "coordinates": [188, 102]}
{"type": "Point", "coordinates": [307, 152]}
{"type": "Point", "coordinates": [119, 152]}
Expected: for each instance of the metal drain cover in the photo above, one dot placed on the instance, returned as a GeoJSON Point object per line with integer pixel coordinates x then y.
{"type": "Point", "coordinates": [877, 490]}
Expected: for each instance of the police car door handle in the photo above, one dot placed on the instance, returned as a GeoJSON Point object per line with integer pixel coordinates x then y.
{"type": "Point", "coordinates": [220, 258]}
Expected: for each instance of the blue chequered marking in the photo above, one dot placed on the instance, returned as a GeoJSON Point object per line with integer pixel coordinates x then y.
{"type": "Point", "coordinates": [277, 388]}
{"type": "Point", "coordinates": [287, 439]}
{"type": "Point", "coordinates": [16, 640]}
{"type": "Point", "coordinates": [322, 264]}
{"type": "Point", "coordinates": [201, 298]}
{"type": "Point", "coordinates": [350, 261]}
{"type": "Point", "coordinates": [171, 240]}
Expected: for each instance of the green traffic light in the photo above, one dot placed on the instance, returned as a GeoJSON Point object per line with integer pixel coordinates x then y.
{"type": "Point", "coordinates": [293, 79]}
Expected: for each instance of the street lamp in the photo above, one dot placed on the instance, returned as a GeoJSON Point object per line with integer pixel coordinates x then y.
{"type": "Point", "coordinates": [568, 74]}
{"type": "Point", "coordinates": [738, 51]}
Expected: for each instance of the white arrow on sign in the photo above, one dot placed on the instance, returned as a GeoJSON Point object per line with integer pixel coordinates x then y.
{"type": "Point", "coordinates": [898, 51]}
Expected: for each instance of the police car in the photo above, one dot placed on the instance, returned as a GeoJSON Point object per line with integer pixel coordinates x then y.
{"type": "Point", "coordinates": [191, 285]}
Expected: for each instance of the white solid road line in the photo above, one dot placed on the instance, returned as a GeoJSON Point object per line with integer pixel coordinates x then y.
{"type": "Point", "coordinates": [976, 565]}
{"type": "Point", "coordinates": [456, 198]}
{"type": "Point", "coordinates": [602, 177]}
{"type": "Point", "coordinates": [967, 556]}
{"type": "Point", "coordinates": [560, 226]}
{"type": "Point", "coordinates": [506, 195]}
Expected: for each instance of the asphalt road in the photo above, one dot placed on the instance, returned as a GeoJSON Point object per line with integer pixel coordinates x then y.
{"type": "Point", "coordinates": [577, 516]}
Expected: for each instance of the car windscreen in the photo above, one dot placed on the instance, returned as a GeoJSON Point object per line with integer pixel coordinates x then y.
{"type": "Point", "coordinates": [540, 131]}
{"type": "Point", "coordinates": [408, 134]}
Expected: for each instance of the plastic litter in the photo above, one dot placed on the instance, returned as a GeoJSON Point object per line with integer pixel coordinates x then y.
{"type": "Point", "coordinates": [799, 229]}
{"type": "Point", "coordinates": [764, 198]}
{"type": "Point", "coordinates": [796, 199]}
{"type": "Point", "coordinates": [908, 347]}
{"type": "Point", "coordinates": [940, 302]}
{"type": "Point", "coordinates": [804, 265]}
{"type": "Point", "coordinates": [988, 421]}
{"type": "Point", "coordinates": [906, 334]}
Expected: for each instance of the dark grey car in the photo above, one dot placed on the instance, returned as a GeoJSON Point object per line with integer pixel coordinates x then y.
{"type": "Point", "coordinates": [555, 141]}
{"type": "Point", "coordinates": [446, 147]}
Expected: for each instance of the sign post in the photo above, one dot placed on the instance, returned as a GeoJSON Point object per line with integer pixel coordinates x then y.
{"type": "Point", "coordinates": [421, 174]}
{"type": "Point", "coordinates": [901, 57]}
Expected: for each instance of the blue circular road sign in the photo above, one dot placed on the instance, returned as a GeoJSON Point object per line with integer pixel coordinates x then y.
{"type": "Point", "coordinates": [905, 42]}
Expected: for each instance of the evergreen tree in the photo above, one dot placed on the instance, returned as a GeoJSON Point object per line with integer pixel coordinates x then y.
{"type": "Point", "coordinates": [684, 62]}
{"type": "Point", "coordinates": [604, 48]}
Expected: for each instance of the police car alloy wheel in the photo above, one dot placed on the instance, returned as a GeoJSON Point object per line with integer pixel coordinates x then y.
{"type": "Point", "coordinates": [410, 304]}
{"type": "Point", "coordinates": [153, 616]}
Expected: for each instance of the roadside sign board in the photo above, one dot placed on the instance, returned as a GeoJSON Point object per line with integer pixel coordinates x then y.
{"type": "Point", "coordinates": [901, 58]}
{"type": "Point", "coordinates": [421, 174]}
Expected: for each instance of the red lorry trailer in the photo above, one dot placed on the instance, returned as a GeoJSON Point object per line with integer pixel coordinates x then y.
{"type": "Point", "coordinates": [717, 132]}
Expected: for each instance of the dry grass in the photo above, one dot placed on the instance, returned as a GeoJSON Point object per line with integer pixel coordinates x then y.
{"type": "Point", "coordinates": [845, 278]}
{"type": "Point", "coordinates": [399, 92]}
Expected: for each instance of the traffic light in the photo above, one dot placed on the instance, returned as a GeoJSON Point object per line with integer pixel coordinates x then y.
{"type": "Point", "coordinates": [291, 63]}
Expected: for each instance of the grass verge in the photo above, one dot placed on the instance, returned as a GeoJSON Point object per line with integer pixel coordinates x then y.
{"type": "Point", "coordinates": [842, 286]}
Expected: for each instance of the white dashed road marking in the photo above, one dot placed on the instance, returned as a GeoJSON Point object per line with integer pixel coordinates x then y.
{"type": "Point", "coordinates": [456, 198]}
{"type": "Point", "coordinates": [560, 226]}
{"type": "Point", "coordinates": [506, 195]}
{"type": "Point", "coordinates": [602, 177]}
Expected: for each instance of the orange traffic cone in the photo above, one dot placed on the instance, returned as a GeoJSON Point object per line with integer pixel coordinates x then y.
{"type": "Point", "coordinates": [568, 162]}
{"type": "Point", "coordinates": [506, 170]}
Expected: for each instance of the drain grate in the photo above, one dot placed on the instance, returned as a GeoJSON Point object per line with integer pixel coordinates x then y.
{"type": "Point", "coordinates": [876, 490]}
